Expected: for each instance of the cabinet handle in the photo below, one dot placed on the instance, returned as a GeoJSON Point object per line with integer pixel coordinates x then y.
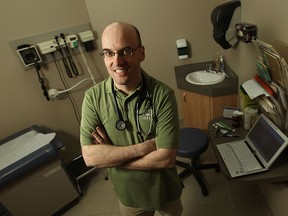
{"type": "Point", "coordinates": [184, 97]}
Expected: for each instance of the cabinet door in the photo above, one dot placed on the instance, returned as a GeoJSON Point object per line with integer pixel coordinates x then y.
{"type": "Point", "coordinates": [218, 103]}
{"type": "Point", "coordinates": [195, 110]}
{"type": "Point", "coordinates": [198, 110]}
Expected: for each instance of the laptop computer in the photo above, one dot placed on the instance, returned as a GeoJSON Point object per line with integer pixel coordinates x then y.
{"type": "Point", "coordinates": [262, 146]}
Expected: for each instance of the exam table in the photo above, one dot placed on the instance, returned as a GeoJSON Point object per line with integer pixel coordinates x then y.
{"type": "Point", "coordinates": [33, 180]}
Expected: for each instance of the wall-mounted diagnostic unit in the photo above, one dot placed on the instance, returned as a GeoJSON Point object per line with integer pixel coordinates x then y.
{"type": "Point", "coordinates": [53, 46]}
{"type": "Point", "coordinates": [28, 54]}
{"type": "Point", "coordinates": [45, 44]}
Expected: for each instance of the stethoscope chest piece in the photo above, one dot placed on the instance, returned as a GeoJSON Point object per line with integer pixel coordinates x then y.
{"type": "Point", "coordinates": [120, 125]}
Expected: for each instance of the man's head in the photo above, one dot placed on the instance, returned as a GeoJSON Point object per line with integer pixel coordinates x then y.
{"type": "Point", "coordinates": [123, 52]}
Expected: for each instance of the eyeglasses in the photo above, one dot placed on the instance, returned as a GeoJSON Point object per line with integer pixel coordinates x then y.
{"type": "Point", "coordinates": [127, 51]}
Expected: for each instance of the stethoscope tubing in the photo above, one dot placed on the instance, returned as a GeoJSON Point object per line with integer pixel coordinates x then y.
{"type": "Point", "coordinates": [121, 125]}
{"type": "Point", "coordinates": [137, 114]}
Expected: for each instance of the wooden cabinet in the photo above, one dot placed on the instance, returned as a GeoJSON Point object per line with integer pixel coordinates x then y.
{"type": "Point", "coordinates": [198, 110]}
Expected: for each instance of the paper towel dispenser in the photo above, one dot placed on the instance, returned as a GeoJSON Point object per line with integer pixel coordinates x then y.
{"type": "Point", "coordinates": [224, 17]}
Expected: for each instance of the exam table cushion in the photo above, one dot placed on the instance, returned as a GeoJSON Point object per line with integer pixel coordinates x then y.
{"type": "Point", "coordinates": [28, 161]}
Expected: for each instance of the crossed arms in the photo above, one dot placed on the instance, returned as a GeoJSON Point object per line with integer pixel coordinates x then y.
{"type": "Point", "coordinates": [142, 156]}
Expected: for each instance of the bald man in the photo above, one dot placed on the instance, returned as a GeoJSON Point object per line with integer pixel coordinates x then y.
{"type": "Point", "coordinates": [130, 126]}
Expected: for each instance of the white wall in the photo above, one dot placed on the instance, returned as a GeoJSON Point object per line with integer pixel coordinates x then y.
{"type": "Point", "coordinates": [161, 23]}
{"type": "Point", "coordinates": [271, 20]}
{"type": "Point", "coordinates": [22, 102]}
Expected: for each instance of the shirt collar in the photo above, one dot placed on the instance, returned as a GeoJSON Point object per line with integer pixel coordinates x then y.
{"type": "Point", "coordinates": [145, 79]}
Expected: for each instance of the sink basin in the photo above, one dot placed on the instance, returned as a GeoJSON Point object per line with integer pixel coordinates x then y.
{"type": "Point", "coordinates": [204, 78]}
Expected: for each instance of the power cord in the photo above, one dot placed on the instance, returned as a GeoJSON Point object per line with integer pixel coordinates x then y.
{"type": "Point", "coordinates": [85, 62]}
{"type": "Point", "coordinates": [41, 80]}
{"type": "Point", "coordinates": [66, 87]}
{"type": "Point", "coordinates": [55, 93]}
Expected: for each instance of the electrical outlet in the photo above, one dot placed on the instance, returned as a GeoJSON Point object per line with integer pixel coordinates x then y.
{"type": "Point", "coordinates": [28, 55]}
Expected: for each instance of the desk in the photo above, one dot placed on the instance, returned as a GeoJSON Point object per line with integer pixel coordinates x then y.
{"type": "Point", "coordinates": [278, 171]}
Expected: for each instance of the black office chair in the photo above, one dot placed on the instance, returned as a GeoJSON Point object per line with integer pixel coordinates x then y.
{"type": "Point", "coordinates": [194, 142]}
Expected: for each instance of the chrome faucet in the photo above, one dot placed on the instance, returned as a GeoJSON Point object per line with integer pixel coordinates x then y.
{"type": "Point", "coordinates": [218, 68]}
{"type": "Point", "coordinates": [221, 65]}
{"type": "Point", "coordinates": [209, 69]}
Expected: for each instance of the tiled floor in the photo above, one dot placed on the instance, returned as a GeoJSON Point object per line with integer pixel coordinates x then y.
{"type": "Point", "coordinates": [225, 198]}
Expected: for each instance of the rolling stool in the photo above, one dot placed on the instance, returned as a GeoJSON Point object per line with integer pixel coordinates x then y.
{"type": "Point", "coordinates": [194, 142]}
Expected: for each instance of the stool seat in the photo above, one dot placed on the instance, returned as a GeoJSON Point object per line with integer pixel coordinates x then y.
{"type": "Point", "coordinates": [192, 148]}
{"type": "Point", "coordinates": [194, 142]}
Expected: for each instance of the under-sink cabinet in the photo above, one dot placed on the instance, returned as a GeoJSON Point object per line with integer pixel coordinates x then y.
{"type": "Point", "coordinates": [202, 103]}
{"type": "Point", "coordinates": [198, 110]}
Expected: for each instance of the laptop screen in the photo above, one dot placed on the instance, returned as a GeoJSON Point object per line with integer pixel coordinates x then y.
{"type": "Point", "coordinates": [265, 138]}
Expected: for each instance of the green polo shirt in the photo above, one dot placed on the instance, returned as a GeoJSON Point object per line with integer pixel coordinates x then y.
{"type": "Point", "coordinates": [144, 189]}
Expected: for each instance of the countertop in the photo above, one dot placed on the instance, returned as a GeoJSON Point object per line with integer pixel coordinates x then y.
{"type": "Point", "coordinates": [228, 86]}
{"type": "Point", "coordinates": [278, 171]}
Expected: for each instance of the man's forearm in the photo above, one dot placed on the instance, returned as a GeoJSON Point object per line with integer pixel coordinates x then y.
{"type": "Point", "coordinates": [103, 155]}
{"type": "Point", "coordinates": [159, 159]}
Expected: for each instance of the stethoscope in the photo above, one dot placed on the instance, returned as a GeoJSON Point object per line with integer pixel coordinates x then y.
{"type": "Point", "coordinates": [121, 124]}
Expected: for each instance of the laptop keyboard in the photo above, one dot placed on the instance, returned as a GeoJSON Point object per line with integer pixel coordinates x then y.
{"type": "Point", "coordinates": [247, 159]}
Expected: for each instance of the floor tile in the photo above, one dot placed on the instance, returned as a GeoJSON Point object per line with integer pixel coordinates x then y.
{"type": "Point", "coordinates": [219, 208]}
{"type": "Point", "coordinates": [250, 206]}
{"type": "Point", "coordinates": [240, 190]}
{"type": "Point", "coordinates": [225, 198]}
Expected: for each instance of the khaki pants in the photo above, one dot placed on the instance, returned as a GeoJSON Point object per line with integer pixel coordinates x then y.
{"type": "Point", "coordinates": [173, 208]}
